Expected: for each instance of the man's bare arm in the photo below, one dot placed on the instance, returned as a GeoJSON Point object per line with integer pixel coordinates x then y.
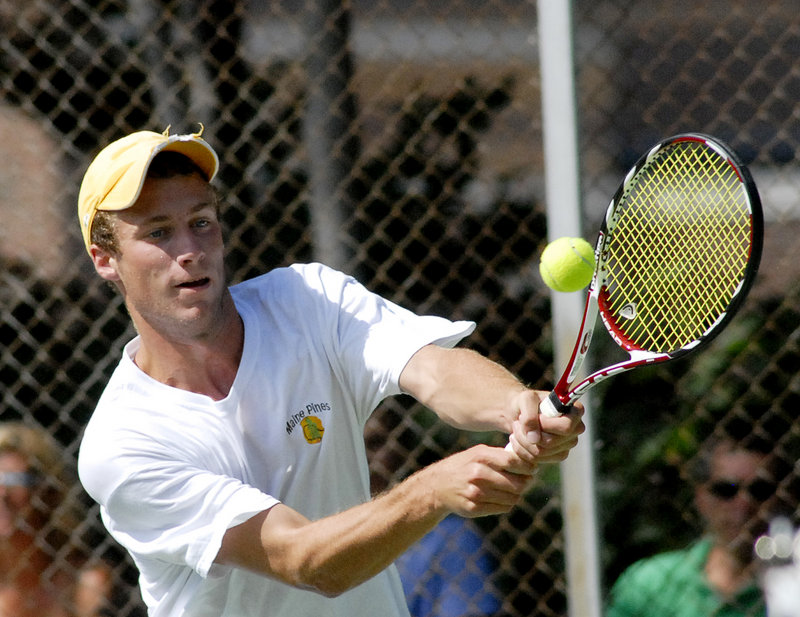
{"type": "Point", "coordinates": [471, 392]}
{"type": "Point", "coordinates": [336, 553]}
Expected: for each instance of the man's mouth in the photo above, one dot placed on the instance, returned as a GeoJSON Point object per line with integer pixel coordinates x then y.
{"type": "Point", "coordinates": [194, 284]}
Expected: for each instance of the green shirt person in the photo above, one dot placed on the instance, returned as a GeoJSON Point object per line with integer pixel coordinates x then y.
{"type": "Point", "coordinates": [674, 584]}
{"type": "Point", "coordinates": [715, 576]}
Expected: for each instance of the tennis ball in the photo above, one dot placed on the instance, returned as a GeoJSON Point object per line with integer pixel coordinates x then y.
{"type": "Point", "coordinates": [567, 264]}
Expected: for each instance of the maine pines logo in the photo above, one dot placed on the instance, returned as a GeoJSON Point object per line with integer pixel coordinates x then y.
{"type": "Point", "coordinates": [312, 429]}
{"type": "Point", "coordinates": [309, 420]}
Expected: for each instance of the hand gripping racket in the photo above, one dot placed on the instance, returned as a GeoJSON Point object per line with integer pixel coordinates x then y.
{"type": "Point", "coordinates": [676, 255]}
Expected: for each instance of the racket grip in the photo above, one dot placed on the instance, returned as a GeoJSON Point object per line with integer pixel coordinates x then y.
{"type": "Point", "coordinates": [551, 407]}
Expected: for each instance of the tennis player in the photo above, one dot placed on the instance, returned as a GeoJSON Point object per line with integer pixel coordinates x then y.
{"type": "Point", "coordinates": [227, 449]}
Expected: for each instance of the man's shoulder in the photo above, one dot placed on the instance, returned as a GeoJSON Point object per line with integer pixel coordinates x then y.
{"type": "Point", "coordinates": [300, 282]}
{"type": "Point", "coordinates": [300, 274]}
{"type": "Point", "coordinates": [668, 563]}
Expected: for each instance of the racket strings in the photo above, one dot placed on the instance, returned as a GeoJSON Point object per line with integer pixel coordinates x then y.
{"type": "Point", "coordinates": [679, 248]}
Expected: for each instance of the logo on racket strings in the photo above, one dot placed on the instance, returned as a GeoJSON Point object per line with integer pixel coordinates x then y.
{"type": "Point", "coordinates": [628, 311]}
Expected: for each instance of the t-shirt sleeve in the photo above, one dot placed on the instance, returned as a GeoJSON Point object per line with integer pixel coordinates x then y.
{"type": "Point", "coordinates": [160, 507]}
{"type": "Point", "coordinates": [623, 598]}
{"type": "Point", "coordinates": [378, 336]}
{"type": "Point", "coordinates": [640, 586]}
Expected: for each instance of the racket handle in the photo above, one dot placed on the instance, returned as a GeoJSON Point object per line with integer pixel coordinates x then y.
{"type": "Point", "coordinates": [551, 407]}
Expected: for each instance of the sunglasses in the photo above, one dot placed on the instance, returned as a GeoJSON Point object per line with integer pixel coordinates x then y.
{"type": "Point", "coordinates": [24, 479]}
{"type": "Point", "coordinates": [759, 490]}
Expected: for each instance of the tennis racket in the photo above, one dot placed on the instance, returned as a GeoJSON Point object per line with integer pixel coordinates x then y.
{"type": "Point", "coordinates": [675, 257]}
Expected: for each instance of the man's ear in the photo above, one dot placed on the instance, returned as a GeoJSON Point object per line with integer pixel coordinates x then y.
{"type": "Point", "coordinates": [104, 263]}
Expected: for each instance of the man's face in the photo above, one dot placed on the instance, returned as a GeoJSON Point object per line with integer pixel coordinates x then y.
{"type": "Point", "coordinates": [169, 266]}
{"type": "Point", "coordinates": [732, 498]}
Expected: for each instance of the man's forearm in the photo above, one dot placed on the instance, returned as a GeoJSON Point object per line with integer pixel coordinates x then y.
{"type": "Point", "coordinates": [338, 552]}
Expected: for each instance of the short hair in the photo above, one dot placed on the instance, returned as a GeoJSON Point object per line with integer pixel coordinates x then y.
{"type": "Point", "coordinates": [164, 165]}
{"type": "Point", "coordinates": [700, 468]}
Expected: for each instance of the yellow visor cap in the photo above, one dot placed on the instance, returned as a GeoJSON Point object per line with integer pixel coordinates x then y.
{"type": "Point", "coordinates": [115, 177]}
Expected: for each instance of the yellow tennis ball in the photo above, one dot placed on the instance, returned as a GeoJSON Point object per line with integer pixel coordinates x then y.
{"type": "Point", "coordinates": [567, 264]}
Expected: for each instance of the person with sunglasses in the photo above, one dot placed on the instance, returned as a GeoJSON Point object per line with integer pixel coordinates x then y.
{"type": "Point", "coordinates": [43, 573]}
{"type": "Point", "coordinates": [716, 574]}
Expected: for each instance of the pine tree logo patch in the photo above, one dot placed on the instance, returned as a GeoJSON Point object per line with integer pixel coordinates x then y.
{"type": "Point", "coordinates": [312, 429]}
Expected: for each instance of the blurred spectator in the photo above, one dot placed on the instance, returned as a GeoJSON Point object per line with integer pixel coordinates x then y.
{"type": "Point", "coordinates": [716, 575]}
{"type": "Point", "coordinates": [42, 571]}
{"type": "Point", "coordinates": [449, 573]}
{"type": "Point", "coordinates": [31, 174]}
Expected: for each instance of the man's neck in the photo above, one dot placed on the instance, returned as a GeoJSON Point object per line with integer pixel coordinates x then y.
{"type": "Point", "coordinates": [205, 366]}
{"type": "Point", "coordinates": [726, 572]}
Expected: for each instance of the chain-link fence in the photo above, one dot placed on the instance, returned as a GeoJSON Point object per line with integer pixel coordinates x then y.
{"type": "Point", "coordinates": [401, 142]}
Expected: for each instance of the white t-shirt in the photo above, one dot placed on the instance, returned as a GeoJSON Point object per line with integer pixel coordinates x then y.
{"type": "Point", "coordinates": [173, 470]}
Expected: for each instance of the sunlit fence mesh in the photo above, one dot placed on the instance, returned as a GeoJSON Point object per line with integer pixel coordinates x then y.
{"type": "Point", "coordinates": [401, 142]}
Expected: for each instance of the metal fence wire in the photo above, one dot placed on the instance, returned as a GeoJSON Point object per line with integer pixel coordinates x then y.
{"type": "Point", "coordinates": [401, 142]}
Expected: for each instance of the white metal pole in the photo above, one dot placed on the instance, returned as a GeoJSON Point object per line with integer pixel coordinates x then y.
{"type": "Point", "coordinates": [562, 195]}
